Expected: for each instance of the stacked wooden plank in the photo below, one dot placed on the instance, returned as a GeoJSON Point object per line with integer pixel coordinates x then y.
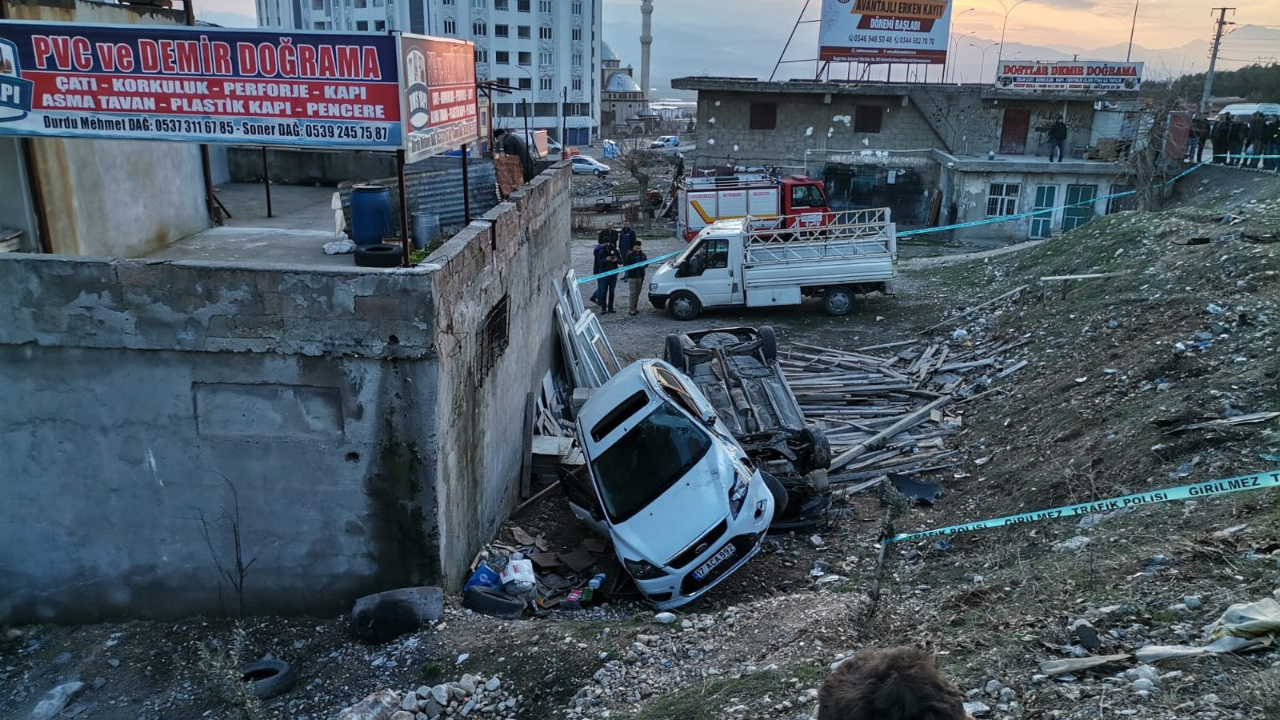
{"type": "Point", "coordinates": [890, 412]}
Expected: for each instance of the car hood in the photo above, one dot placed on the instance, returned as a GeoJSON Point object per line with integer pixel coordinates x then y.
{"type": "Point", "coordinates": [680, 515]}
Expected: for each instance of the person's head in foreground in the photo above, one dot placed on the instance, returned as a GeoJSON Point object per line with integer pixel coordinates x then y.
{"type": "Point", "coordinates": [900, 683]}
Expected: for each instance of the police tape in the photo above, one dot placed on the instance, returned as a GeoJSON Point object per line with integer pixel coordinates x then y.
{"type": "Point", "coordinates": [943, 228]}
{"type": "Point", "coordinates": [1186, 492]}
{"type": "Point", "coordinates": [625, 268]}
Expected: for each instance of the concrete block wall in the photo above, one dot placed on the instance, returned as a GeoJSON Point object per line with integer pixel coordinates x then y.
{"type": "Point", "coordinates": [141, 397]}
{"type": "Point", "coordinates": [518, 252]}
{"type": "Point", "coordinates": [804, 122]}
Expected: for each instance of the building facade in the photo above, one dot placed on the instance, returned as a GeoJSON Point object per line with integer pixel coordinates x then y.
{"type": "Point", "coordinates": [934, 154]}
{"type": "Point", "coordinates": [549, 50]}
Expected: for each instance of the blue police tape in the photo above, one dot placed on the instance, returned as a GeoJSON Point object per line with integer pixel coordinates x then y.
{"type": "Point", "coordinates": [625, 268]}
{"type": "Point", "coordinates": [923, 231]}
{"type": "Point", "coordinates": [1199, 490]}
{"type": "Point", "coordinates": [1040, 213]}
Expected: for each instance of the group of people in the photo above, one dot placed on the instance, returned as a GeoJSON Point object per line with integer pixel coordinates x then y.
{"type": "Point", "coordinates": [1248, 143]}
{"type": "Point", "coordinates": [613, 250]}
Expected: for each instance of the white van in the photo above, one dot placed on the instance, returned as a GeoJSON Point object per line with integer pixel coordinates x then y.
{"type": "Point", "coordinates": [682, 502]}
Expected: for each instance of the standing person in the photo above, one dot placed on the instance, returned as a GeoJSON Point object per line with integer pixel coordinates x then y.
{"type": "Point", "coordinates": [607, 262]}
{"type": "Point", "coordinates": [635, 276]}
{"type": "Point", "coordinates": [512, 145]}
{"type": "Point", "coordinates": [1236, 134]}
{"type": "Point", "coordinates": [626, 238]}
{"type": "Point", "coordinates": [1057, 137]}
{"type": "Point", "coordinates": [1221, 137]}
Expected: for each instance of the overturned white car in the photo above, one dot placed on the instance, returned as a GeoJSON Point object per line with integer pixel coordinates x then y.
{"type": "Point", "coordinates": [682, 502]}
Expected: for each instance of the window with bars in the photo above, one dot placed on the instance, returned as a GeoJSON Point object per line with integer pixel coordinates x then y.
{"type": "Point", "coordinates": [494, 337]}
{"type": "Point", "coordinates": [1002, 199]}
{"type": "Point", "coordinates": [501, 31]}
{"type": "Point", "coordinates": [479, 29]}
{"type": "Point", "coordinates": [450, 27]}
{"type": "Point", "coordinates": [544, 33]}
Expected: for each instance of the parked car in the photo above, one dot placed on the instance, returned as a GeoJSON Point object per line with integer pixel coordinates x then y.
{"type": "Point", "coordinates": [583, 165]}
{"type": "Point", "coordinates": [737, 370]}
{"type": "Point", "coordinates": [683, 503]}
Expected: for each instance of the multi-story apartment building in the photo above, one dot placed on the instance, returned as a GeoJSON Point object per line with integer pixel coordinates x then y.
{"type": "Point", "coordinates": [548, 49]}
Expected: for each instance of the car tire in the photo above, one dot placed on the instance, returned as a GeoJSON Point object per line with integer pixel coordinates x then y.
{"type": "Point", "coordinates": [379, 256]}
{"type": "Point", "coordinates": [674, 352]}
{"type": "Point", "coordinates": [779, 493]}
{"type": "Point", "coordinates": [819, 447]}
{"type": "Point", "coordinates": [684, 306]}
{"type": "Point", "coordinates": [838, 301]}
{"type": "Point", "coordinates": [492, 602]}
{"type": "Point", "coordinates": [768, 343]}
{"type": "Point", "coordinates": [267, 678]}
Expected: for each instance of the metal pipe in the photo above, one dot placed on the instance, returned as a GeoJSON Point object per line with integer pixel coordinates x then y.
{"type": "Point", "coordinates": [404, 207]}
{"type": "Point", "coordinates": [266, 179]}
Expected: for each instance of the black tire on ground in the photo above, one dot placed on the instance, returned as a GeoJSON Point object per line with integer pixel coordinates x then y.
{"type": "Point", "coordinates": [492, 602]}
{"type": "Point", "coordinates": [769, 343]}
{"type": "Point", "coordinates": [267, 678]}
{"type": "Point", "coordinates": [674, 352]}
{"type": "Point", "coordinates": [684, 306]}
{"type": "Point", "coordinates": [657, 303]}
{"type": "Point", "coordinates": [779, 493]}
{"type": "Point", "coordinates": [379, 256]}
{"type": "Point", "coordinates": [838, 300]}
{"type": "Point", "coordinates": [820, 446]}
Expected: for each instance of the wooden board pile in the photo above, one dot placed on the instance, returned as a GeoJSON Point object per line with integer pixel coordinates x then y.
{"type": "Point", "coordinates": [890, 413]}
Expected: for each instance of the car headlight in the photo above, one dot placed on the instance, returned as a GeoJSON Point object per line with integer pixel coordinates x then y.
{"type": "Point", "coordinates": [643, 570]}
{"type": "Point", "coordinates": [738, 494]}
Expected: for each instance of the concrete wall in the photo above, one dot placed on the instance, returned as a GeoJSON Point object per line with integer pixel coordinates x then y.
{"type": "Point", "coordinates": [134, 388]}
{"type": "Point", "coordinates": [518, 251]}
{"type": "Point", "coordinates": [114, 198]}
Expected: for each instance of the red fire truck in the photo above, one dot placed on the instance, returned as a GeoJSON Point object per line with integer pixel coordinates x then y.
{"type": "Point", "coordinates": [797, 201]}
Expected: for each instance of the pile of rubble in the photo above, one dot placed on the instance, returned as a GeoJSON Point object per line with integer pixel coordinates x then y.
{"type": "Point", "coordinates": [471, 694]}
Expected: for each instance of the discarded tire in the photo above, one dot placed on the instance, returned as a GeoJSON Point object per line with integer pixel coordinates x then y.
{"type": "Point", "coordinates": [779, 493]}
{"type": "Point", "coordinates": [492, 602]}
{"type": "Point", "coordinates": [267, 678]}
{"type": "Point", "coordinates": [379, 256]}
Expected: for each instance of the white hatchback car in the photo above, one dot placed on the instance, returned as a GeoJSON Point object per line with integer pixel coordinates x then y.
{"type": "Point", "coordinates": [583, 165]}
{"type": "Point", "coordinates": [668, 484]}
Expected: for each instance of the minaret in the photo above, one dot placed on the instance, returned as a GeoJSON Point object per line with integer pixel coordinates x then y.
{"type": "Point", "coordinates": [646, 39]}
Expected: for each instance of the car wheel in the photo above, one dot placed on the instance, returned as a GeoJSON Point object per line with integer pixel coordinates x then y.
{"type": "Point", "coordinates": [492, 602]}
{"type": "Point", "coordinates": [684, 306]}
{"type": "Point", "coordinates": [838, 301]}
{"type": "Point", "coordinates": [674, 352]}
{"type": "Point", "coordinates": [768, 343]}
{"type": "Point", "coordinates": [267, 678]}
{"type": "Point", "coordinates": [379, 256]}
{"type": "Point", "coordinates": [819, 446]}
{"type": "Point", "coordinates": [779, 493]}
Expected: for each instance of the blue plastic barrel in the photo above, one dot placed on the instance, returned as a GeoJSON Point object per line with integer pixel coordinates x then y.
{"type": "Point", "coordinates": [372, 215]}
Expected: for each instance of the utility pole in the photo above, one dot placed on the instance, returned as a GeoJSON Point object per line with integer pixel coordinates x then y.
{"type": "Point", "coordinates": [1213, 57]}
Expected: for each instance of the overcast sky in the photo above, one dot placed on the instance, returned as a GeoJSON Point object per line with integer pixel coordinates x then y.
{"type": "Point", "coordinates": [744, 37]}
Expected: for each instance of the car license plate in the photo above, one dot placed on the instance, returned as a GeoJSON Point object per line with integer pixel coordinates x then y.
{"type": "Point", "coordinates": [703, 570]}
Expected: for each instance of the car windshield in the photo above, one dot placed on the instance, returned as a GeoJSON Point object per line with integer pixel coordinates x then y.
{"type": "Point", "coordinates": [647, 460]}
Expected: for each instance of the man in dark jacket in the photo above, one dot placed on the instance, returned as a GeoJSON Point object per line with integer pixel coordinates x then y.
{"type": "Point", "coordinates": [635, 276]}
{"type": "Point", "coordinates": [1057, 138]}
{"type": "Point", "coordinates": [1221, 137]}
{"type": "Point", "coordinates": [512, 145]}
{"type": "Point", "coordinates": [626, 238]}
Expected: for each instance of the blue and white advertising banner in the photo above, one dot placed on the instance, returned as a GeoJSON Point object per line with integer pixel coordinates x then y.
{"type": "Point", "coordinates": [322, 90]}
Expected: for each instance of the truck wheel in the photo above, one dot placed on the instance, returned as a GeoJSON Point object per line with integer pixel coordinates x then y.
{"type": "Point", "coordinates": [838, 301]}
{"type": "Point", "coordinates": [768, 343]}
{"type": "Point", "coordinates": [684, 306]}
{"type": "Point", "coordinates": [674, 352]}
{"type": "Point", "coordinates": [779, 493]}
{"type": "Point", "coordinates": [819, 446]}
